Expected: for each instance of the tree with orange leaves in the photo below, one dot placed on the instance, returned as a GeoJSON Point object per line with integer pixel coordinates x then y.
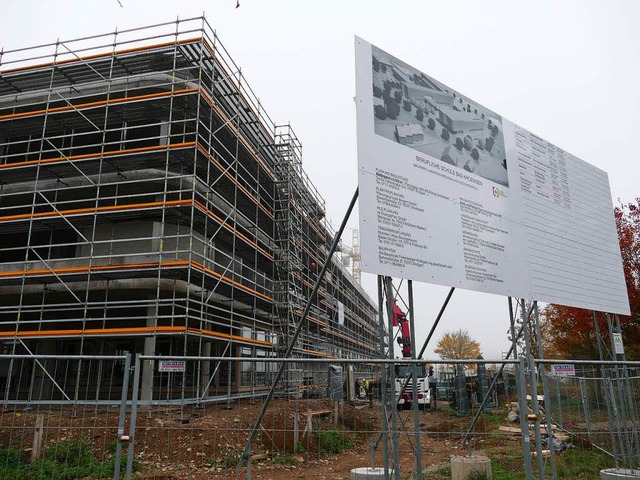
{"type": "Point", "coordinates": [570, 332]}
{"type": "Point", "coordinates": [457, 344]}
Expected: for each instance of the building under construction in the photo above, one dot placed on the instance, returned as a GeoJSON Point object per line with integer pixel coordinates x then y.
{"type": "Point", "coordinates": [149, 204]}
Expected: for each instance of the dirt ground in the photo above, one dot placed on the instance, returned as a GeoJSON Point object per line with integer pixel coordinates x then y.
{"type": "Point", "coordinates": [204, 442]}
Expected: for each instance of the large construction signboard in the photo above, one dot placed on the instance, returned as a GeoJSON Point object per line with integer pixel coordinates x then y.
{"type": "Point", "coordinates": [452, 193]}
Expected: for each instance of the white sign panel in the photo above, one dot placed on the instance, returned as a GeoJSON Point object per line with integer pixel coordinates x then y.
{"type": "Point", "coordinates": [171, 366]}
{"type": "Point", "coordinates": [341, 313]}
{"type": "Point", "coordinates": [563, 370]}
{"type": "Point", "coordinates": [617, 344]}
{"type": "Point", "coordinates": [451, 193]}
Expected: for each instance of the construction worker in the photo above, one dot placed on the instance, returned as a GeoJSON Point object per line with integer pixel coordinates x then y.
{"type": "Point", "coordinates": [432, 388]}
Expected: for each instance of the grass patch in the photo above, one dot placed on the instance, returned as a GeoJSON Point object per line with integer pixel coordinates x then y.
{"type": "Point", "coordinates": [66, 460]}
{"type": "Point", "coordinates": [571, 464]}
{"type": "Point", "coordinates": [443, 473]}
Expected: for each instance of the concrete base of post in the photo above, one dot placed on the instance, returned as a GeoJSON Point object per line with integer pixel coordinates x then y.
{"type": "Point", "coordinates": [463, 467]}
{"type": "Point", "coordinates": [369, 473]}
{"type": "Point", "coordinates": [619, 474]}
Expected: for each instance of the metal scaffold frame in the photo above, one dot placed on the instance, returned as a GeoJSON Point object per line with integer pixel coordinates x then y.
{"type": "Point", "coordinates": [148, 203]}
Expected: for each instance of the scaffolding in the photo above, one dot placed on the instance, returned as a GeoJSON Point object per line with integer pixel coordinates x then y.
{"type": "Point", "coordinates": [148, 203]}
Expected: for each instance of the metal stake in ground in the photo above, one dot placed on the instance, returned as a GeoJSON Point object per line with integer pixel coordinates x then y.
{"type": "Point", "coordinates": [247, 448]}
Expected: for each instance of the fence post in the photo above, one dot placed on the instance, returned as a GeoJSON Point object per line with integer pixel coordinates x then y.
{"type": "Point", "coordinates": [533, 386]}
{"type": "Point", "coordinates": [123, 413]}
{"type": "Point", "coordinates": [521, 390]}
{"type": "Point", "coordinates": [559, 400]}
{"type": "Point", "coordinates": [545, 391]}
{"type": "Point", "coordinates": [607, 398]}
{"type": "Point", "coordinates": [37, 438]}
{"type": "Point", "coordinates": [585, 406]}
{"type": "Point", "coordinates": [137, 370]}
{"type": "Point", "coordinates": [635, 455]}
{"type": "Point", "coordinates": [619, 403]}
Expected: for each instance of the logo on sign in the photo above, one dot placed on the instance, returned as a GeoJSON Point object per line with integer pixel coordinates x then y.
{"type": "Point", "coordinates": [563, 370]}
{"type": "Point", "coordinates": [171, 366]}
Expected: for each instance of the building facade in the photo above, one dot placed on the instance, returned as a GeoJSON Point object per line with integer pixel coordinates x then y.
{"type": "Point", "coordinates": [149, 204]}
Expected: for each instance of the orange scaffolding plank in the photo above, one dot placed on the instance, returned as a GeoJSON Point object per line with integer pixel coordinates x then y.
{"type": "Point", "coordinates": [228, 336]}
{"type": "Point", "coordinates": [315, 352]}
{"type": "Point", "coordinates": [130, 151]}
{"type": "Point", "coordinates": [87, 156]}
{"type": "Point", "coordinates": [143, 97]}
{"type": "Point", "coordinates": [92, 331]}
{"type": "Point", "coordinates": [349, 339]}
{"type": "Point", "coordinates": [313, 319]}
{"type": "Point", "coordinates": [102, 55]}
{"type": "Point", "coordinates": [135, 206]}
{"type": "Point", "coordinates": [101, 103]}
{"type": "Point", "coordinates": [130, 331]}
{"type": "Point", "coordinates": [90, 210]}
{"type": "Point", "coordinates": [132, 266]}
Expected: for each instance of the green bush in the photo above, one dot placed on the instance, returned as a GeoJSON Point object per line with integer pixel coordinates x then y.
{"type": "Point", "coordinates": [332, 441]}
{"type": "Point", "coordinates": [9, 458]}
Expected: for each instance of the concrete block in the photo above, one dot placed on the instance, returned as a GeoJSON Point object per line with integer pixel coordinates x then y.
{"type": "Point", "coordinates": [463, 467]}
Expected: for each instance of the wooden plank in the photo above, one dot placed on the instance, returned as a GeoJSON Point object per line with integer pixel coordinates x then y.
{"type": "Point", "coordinates": [545, 453]}
{"type": "Point", "coordinates": [264, 430]}
{"type": "Point", "coordinates": [510, 429]}
{"type": "Point", "coordinates": [37, 438]}
{"type": "Point", "coordinates": [296, 429]}
{"type": "Point", "coordinates": [318, 413]}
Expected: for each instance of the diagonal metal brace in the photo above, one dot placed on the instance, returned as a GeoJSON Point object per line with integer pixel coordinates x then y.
{"type": "Point", "coordinates": [246, 454]}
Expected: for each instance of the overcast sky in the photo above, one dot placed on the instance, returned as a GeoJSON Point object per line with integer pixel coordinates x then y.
{"type": "Point", "coordinates": [567, 71]}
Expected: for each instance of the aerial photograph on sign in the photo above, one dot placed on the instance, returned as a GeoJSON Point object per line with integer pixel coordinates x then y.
{"type": "Point", "coordinates": [415, 110]}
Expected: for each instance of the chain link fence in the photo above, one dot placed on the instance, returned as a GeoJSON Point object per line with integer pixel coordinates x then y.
{"type": "Point", "coordinates": [146, 417]}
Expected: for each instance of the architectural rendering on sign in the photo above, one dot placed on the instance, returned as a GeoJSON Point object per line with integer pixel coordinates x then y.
{"type": "Point", "coordinates": [438, 203]}
{"type": "Point", "coordinates": [148, 204]}
{"type": "Point", "coordinates": [416, 110]}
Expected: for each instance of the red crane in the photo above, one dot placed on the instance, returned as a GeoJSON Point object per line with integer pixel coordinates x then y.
{"type": "Point", "coordinates": [400, 320]}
